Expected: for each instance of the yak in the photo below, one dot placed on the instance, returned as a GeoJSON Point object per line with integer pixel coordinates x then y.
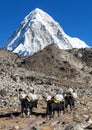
{"type": "Point", "coordinates": [27, 106]}
{"type": "Point", "coordinates": [53, 106]}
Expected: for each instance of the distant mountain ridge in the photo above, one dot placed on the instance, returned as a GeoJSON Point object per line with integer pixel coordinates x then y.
{"type": "Point", "coordinates": [37, 31]}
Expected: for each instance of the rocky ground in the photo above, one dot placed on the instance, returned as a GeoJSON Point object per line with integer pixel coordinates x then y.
{"type": "Point", "coordinates": [81, 116]}
{"type": "Point", "coordinates": [48, 72]}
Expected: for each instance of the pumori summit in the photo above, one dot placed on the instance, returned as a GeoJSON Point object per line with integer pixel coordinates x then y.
{"type": "Point", "coordinates": [37, 31]}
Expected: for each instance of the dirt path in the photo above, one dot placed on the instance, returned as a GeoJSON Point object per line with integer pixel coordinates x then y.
{"type": "Point", "coordinates": [80, 114]}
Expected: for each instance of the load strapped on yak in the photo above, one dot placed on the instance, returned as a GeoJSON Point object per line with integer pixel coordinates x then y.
{"type": "Point", "coordinates": [58, 98]}
{"type": "Point", "coordinates": [22, 95]}
{"type": "Point", "coordinates": [71, 92]}
{"type": "Point", "coordinates": [31, 97]}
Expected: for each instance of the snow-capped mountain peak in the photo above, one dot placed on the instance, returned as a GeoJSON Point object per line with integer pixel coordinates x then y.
{"type": "Point", "coordinates": [37, 31]}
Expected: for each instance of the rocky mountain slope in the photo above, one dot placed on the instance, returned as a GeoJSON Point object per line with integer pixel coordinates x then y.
{"type": "Point", "coordinates": [70, 66]}
{"type": "Point", "coordinates": [48, 71]}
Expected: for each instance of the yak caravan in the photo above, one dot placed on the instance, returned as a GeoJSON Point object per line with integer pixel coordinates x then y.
{"type": "Point", "coordinates": [58, 102]}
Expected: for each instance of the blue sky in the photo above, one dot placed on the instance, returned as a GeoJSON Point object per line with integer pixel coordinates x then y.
{"type": "Point", "coordinates": [74, 16]}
